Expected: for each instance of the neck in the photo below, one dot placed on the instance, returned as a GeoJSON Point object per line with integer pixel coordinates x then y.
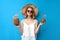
{"type": "Point", "coordinates": [29, 17]}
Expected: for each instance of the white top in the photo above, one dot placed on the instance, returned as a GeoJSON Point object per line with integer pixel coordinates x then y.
{"type": "Point", "coordinates": [28, 29]}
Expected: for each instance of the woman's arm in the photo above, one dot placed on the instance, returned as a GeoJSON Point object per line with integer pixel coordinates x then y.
{"type": "Point", "coordinates": [37, 29]}
{"type": "Point", "coordinates": [20, 27]}
{"type": "Point", "coordinates": [41, 23]}
{"type": "Point", "coordinates": [36, 26]}
{"type": "Point", "coordinates": [17, 24]}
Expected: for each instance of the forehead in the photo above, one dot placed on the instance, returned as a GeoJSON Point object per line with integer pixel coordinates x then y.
{"type": "Point", "coordinates": [29, 8]}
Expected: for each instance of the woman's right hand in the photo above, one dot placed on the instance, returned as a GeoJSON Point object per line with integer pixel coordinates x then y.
{"type": "Point", "coordinates": [16, 20]}
{"type": "Point", "coordinates": [17, 23]}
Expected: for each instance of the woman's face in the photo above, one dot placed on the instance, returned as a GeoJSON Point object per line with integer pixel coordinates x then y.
{"type": "Point", "coordinates": [29, 11]}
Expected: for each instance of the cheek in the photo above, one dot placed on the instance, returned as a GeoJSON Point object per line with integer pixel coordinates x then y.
{"type": "Point", "coordinates": [28, 13]}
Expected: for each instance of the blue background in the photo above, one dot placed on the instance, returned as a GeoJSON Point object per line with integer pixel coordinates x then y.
{"type": "Point", "coordinates": [49, 31]}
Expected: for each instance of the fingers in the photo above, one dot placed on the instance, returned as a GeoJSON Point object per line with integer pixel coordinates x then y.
{"type": "Point", "coordinates": [43, 20]}
{"type": "Point", "coordinates": [41, 23]}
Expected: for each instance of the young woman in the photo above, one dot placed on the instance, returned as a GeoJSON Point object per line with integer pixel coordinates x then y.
{"type": "Point", "coordinates": [29, 27]}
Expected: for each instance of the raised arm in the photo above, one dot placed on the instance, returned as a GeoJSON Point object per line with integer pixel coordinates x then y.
{"type": "Point", "coordinates": [38, 26]}
{"type": "Point", "coordinates": [17, 24]}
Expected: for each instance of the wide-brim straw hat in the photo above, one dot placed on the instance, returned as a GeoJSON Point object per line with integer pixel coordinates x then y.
{"type": "Point", "coordinates": [30, 5]}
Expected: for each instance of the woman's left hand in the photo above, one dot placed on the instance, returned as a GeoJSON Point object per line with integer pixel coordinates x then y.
{"type": "Point", "coordinates": [42, 21]}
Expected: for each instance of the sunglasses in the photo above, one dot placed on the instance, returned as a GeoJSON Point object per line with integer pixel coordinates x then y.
{"type": "Point", "coordinates": [30, 11]}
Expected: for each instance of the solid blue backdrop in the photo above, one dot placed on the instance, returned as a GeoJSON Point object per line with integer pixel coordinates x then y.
{"type": "Point", "coordinates": [49, 31]}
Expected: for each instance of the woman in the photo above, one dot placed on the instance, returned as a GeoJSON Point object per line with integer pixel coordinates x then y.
{"type": "Point", "coordinates": [29, 25]}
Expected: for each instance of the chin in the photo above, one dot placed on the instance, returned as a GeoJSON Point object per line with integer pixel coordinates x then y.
{"type": "Point", "coordinates": [29, 14]}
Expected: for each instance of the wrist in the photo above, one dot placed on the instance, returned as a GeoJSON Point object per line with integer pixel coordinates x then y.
{"type": "Point", "coordinates": [41, 24]}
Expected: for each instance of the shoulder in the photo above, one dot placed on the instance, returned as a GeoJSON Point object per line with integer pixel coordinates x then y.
{"type": "Point", "coordinates": [23, 21]}
{"type": "Point", "coordinates": [35, 20]}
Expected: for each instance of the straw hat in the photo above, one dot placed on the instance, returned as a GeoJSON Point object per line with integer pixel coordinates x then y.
{"type": "Point", "coordinates": [30, 5]}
